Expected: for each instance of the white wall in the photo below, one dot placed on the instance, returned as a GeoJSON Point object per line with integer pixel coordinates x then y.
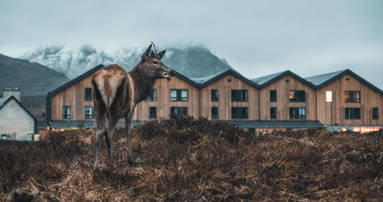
{"type": "Point", "coordinates": [15, 121]}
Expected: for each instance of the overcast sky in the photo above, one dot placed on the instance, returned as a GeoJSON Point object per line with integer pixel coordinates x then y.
{"type": "Point", "coordinates": [256, 37]}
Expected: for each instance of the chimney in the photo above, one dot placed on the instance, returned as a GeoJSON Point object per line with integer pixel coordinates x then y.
{"type": "Point", "coordinates": [8, 92]}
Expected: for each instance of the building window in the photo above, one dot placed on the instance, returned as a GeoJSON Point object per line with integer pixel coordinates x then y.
{"type": "Point", "coordinates": [153, 97]}
{"type": "Point", "coordinates": [273, 96]}
{"type": "Point", "coordinates": [88, 94]}
{"type": "Point", "coordinates": [214, 95]}
{"type": "Point", "coordinates": [352, 96]}
{"type": "Point", "coordinates": [178, 95]}
{"type": "Point", "coordinates": [375, 113]}
{"type": "Point", "coordinates": [178, 111]}
{"type": "Point", "coordinates": [273, 113]}
{"type": "Point", "coordinates": [152, 112]}
{"type": "Point", "coordinates": [297, 96]}
{"type": "Point", "coordinates": [214, 113]}
{"type": "Point", "coordinates": [297, 113]}
{"type": "Point", "coordinates": [352, 113]}
{"type": "Point", "coordinates": [89, 112]}
{"type": "Point", "coordinates": [328, 96]}
{"type": "Point", "coordinates": [239, 113]}
{"type": "Point", "coordinates": [66, 112]}
{"type": "Point", "coordinates": [239, 96]}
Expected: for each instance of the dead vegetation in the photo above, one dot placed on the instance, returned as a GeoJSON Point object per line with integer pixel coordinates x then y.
{"type": "Point", "coordinates": [184, 159]}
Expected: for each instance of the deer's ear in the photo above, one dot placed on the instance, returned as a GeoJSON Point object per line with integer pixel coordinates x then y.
{"type": "Point", "coordinates": [161, 54]}
{"type": "Point", "coordinates": [147, 52]}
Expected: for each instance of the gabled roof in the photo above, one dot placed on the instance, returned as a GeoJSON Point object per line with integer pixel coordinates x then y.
{"type": "Point", "coordinates": [323, 80]}
{"type": "Point", "coordinates": [185, 78]}
{"type": "Point", "coordinates": [214, 77]}
{"type": "Point", "coordinates": [23, 107]}
{"type": "Point", "coordinates": [269, 79]}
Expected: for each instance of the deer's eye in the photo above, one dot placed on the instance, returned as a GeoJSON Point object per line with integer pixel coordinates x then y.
{"type": "Point", "coordinates": [155, 62]}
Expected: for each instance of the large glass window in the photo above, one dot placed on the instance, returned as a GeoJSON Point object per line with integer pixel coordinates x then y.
{"type": "Point", "coordinates": [239, 95]}
{"type": "Point", "coordinates": [88, 94]}
{"type": "Point", "coordinates": [178, 111]}
{"type": "Point", "coordinates": [352, 113]}
{"type": "Point", "coordinates": [89, 112]}
{"type": "Point", "coordinates": [178, 95]}
{"type": "Point", "coordinates": [214, 113]}
{"type": "Point", "coordinates": [214, 95]}
{"type": "Point", "coordinates": [352, 96]}
{"type": "Point", "coordinates": [66, 112]}
{"type": "Point", "coordinates": [273, 96]}
{"type": "Point", "coordinates": [239, 113]}
{"type": "Point", "coordinates": [152, 112]}
{"type": "Point", "coordinates": [297, 96]}
{"type": "Point", "coordinates": [153, 97]}
{"type": "Point", "coordinates": [297, 113]}
{"type": "Point", "coordinates": [375, 113]}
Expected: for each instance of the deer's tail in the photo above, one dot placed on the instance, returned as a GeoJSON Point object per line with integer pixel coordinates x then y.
{"type": "Point", "coordinates": [102, 96]}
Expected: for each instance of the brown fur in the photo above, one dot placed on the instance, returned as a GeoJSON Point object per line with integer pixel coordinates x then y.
{"type": "Point", "coordinates": [115, 95]}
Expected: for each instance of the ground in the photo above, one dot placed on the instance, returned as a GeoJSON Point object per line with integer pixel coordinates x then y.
{"type": "Point", "coordinates": [195, 160]}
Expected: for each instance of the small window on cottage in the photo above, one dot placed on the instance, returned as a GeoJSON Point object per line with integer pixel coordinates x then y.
{"type": "Point", "coordinates": [239, 113]}
{"type": "Point", "coordinates": [352, 96]}
{"type": "Point", "coordinates": [273, 96]}
{"type": "Point", "coordinates": [153, 97]}
{"type": "Point", "coordinates": [89, 112]}
{"type": "Point", "coordinates": [178, 111]}
{"type": "Point", "coordinates": [214, 95]}
{"type": "Point", "coordinates": [214, 113]}
{"type": "Point", "coordinates": [88, 94]}
{"type": "Point", "coordinates": [239, 95]}
{"type": "Point", "coordinates": [352, 113]}
{"type": "Point", "coordinates": [328, 96]}
{"type": "Point", "coordinates": [152, 112]}
{"type": "Point", "coordinates": [297, 113]}
{"type": "Point", "coordinates": [273, 113]}
{"type": "Point", "coordinates": [297, 96]}
{"type": "Point", "coordinates": [66, 112]}
{"type": "Point", "coordinates": [178, 95]}
{"type": "Point", "coordinates": [375, 113]}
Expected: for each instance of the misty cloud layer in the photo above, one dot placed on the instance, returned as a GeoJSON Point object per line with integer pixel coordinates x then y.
{"type": "Point", "coordinates": [255, 37]}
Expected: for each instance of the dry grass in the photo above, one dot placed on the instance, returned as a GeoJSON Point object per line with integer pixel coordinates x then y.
{"type": "Point", "coordinates": [186, 159]}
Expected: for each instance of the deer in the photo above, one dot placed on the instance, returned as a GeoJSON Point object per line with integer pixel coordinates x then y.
{"type": "Point", "coordinates": [117, 92]}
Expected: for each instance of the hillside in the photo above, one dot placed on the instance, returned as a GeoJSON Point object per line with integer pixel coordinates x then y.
{"type": "Point", "coordinates": [193, 61]}
{"type": "Point", "coordinates": [30, 78]}
{"type": "Point", "coordinates": [196, 160]}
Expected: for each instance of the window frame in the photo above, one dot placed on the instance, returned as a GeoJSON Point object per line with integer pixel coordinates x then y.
{"type": "Point", "coordinates": [244, 95]}
{"type": "Point", "coordinates": [153, 96]}
{"type": "Point", "coordinates": [93, 112]}
{"type": "Point", "coordinates": [298, 115]}
{"type": "Point", "coordinates": [246, 109]}
{"type": "Point", "coordinates": [65, 115]}
{"type": "Point", "coordinates": [294, 98]}
{"type": "Point", "coordinates": [90, 97]}
{"type": "Point", "coordinates": [179, 107]}
{"type": "Point", "coordinates": [273, 95]}
{"type": "Point", "coordinates": [351, 98]}
{"type": "Point", "coordinates": [375, 113]}
{"type": "Point", "coordinates": [348, 113]}
{"type": "Point", "coordinates": [214, 97]}
{"type": "Point", "coordinates": [215, 117]}
{"type": "Point", "coordinates": [179, 95]}
{"type": "Point", "coordinates": [150, 112]}
{"type": "Point", "coordinates": [276, 113]}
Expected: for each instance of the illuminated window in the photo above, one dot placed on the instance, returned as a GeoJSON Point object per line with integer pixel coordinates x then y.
{"type": "Point", "coordinates": [328, 96]}
{"type": "Point", "coordinates": [352, 96]}
{"type": "Point", "coordinates": [297, 96]}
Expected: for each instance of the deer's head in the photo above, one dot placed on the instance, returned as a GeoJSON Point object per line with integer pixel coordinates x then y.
{"type": "Point", "coordinates": [152, 66]}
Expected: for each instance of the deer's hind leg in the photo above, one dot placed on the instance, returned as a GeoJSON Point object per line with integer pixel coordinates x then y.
{"type": "Point", "coordinates": [100, 110]}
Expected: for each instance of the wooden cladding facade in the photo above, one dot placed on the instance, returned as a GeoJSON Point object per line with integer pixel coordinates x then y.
{"type": "Point", "coordinates": [199, 100]}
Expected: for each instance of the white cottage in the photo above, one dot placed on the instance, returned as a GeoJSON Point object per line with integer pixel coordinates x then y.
{"type": "Point", "coordinates": [16, 122]}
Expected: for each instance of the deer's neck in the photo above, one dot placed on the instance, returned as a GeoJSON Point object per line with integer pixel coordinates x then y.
{"type": "Point", "coordinates": [143, 85]}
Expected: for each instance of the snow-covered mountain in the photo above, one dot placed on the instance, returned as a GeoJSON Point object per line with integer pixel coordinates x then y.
{"type": "Point", "coordinates": [193, 61]}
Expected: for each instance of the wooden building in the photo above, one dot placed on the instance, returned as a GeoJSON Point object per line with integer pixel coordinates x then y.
{"type": "Point", "coordinates": [280, 100]}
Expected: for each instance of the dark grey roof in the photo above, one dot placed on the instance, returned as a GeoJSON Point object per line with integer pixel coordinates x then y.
{"type": "Point", "coordinates": [278, 124]}
{"type": "Point", "coordinates": [212, 78]}
{"type": "Point", "coordinates": [322, 78]}
{"type": "Point", "coordinates": [269, 79]}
